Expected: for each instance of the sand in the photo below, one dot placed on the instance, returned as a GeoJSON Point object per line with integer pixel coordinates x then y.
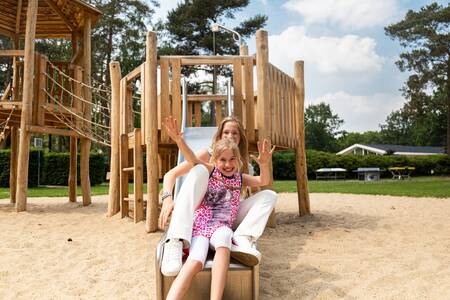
{"type": "Point", "coordinates": [351, 247]}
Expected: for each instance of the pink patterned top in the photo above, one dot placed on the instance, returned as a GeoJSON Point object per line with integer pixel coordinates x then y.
{"type": "Point", "coordinates": [220, 204]}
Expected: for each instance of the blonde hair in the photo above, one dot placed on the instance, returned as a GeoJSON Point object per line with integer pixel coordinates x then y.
{"type": "Point", "coordinates": [220, 146]}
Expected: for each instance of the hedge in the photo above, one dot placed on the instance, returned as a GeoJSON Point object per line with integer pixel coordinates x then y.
{"type": "Point", "coordinates": [54, 168]}
{"type": "Point", "coordinates": [284, 163]}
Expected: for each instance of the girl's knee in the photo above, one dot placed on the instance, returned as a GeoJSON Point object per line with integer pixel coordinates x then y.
{"type": "Point", "coordinates": [269, 196]}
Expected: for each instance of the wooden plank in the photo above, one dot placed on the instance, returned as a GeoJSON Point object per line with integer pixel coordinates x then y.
{"type": "Point", "coordinates": [42, 96]}
{"type": "Point", "coordinates": [138, 178]}
{"type": "Point", "coordinates": [203, 98]}
{"type": "Point", "coordinates": [12, 52]}
{"type": "Point", "coordinates": [6, 92]}
{"type": "Point", "coordinates": [134, 74]}
{"type": "Point", "coordinates": [18, 15]}
{"type": "Point", "coordinates": [13, 163]}
{"type": "Point", "coordinates": [249, 100]}
{"type": "Point", "coordinates": [123, 107]}
{"type": "Point", "coordinates": [205, 60]}
{"type": "Point", "coordinates": [218, 112]}
{"type": "Point", "coordinates": [189, 114]}
{"type": "Point", "coordinates": [237, 84]}
{"type": "Point", "coordinates": [24, 144]}
{"type": "Point", "coordinates": [54, 131]}
{"type": "Point", "coordinates": [60, 14]}
{"type": "Point", "coordinates": [72, 182]}
{"type": "Point", "coordinates": [176, 89]}
{"type": "Point", "coordinates": [143, 119]}
{"type": "Point", "coordinates": [198, 114]}
{"type": "Point", "coordinates": [165, 105]}
{"type": "Point", "coordinates": [124, 207]}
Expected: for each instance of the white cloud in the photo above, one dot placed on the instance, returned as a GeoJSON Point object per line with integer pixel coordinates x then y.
{"type": "Point", "coordinates": [349, 53]}
{"type": "Point", "coordinates": [360, 113]}
{"type": "Point", "coordinates": [348, 14]}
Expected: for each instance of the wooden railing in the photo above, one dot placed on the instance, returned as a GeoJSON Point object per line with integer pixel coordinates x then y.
{"type": "Point", "coordinates": [282, 99]}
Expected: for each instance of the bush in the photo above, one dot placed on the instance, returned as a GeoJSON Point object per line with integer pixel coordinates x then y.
{"type": "Point", "coordinates": [284, 163]}
{"type": "Point", "coordinates": [54, 168]}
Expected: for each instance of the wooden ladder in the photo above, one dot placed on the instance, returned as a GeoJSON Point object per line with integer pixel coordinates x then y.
{"type": "Point", "coordinates": [134, 164]}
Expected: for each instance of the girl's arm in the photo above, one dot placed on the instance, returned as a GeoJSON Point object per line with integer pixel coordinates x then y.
{"type": "Point", "coordinates": [263, 161]}
{"type": "Point", "coordinates": [172, 129]}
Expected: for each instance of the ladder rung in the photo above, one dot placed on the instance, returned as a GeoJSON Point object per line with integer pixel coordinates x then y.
{"type": "Point", "coordinates": [128, 169]}
{"type": "Point", "coordinates": [128, 199]}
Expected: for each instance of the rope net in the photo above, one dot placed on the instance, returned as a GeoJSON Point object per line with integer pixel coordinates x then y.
{"type": "Point", "coordinates": [66, 102]}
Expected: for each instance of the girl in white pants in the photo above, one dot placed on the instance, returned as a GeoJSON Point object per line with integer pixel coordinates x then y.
{"type": "Point", "coordinates": [251, 220]}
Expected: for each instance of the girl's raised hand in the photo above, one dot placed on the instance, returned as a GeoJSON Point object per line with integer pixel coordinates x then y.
{"type": "Point", "coordinates": [171, 125]}
{"type": "Point", "coordinates": [265, 150]}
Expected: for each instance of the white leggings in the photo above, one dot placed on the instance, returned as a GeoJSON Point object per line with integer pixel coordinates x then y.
{"type": "Point", "coordinates": [252, 215]}
{"type": "Point", "coordinates": [200, 244]}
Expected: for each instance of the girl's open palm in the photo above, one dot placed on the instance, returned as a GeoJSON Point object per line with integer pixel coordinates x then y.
{"type": "Point", "coordinates": [171, 125]}
{"type": "Point", "coordinates": [265, 150]}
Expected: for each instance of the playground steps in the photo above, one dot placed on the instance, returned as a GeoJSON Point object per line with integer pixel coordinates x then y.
{"type": "Point", "coordinates": [131, 163]}
{"type": "Point", "coordinates": [242, 281]}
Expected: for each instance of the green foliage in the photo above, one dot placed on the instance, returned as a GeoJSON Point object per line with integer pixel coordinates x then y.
{"type": "Point", "coordinates": [54, 168]}
{"type": "Point", "coordinates": [284, 163]}
{"type": "Point", "coordinates": [425, 36]}
{"type": "Point", "coordinates": [321, 127]}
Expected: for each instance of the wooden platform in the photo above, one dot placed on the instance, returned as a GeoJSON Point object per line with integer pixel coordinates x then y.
{"type": "Point", "coordinates": [242, 282]}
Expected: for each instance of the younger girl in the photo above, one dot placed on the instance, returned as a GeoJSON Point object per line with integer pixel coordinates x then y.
{"type": "Point", "coordinates": [215, 215]}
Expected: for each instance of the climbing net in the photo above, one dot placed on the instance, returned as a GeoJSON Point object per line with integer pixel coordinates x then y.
{"type": "Point", "coordinates": [67, 103]}
{"type": "Point", "coordinates": [4, 125]}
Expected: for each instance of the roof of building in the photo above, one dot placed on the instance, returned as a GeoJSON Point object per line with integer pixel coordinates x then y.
{"type": "Point", "coordinates": [395, 149]}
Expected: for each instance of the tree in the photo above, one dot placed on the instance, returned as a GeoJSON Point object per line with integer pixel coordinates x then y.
{"type": "Point", "coordinates": [120, 35]}
{"type": "Point", "coordinates": [426, 36]}
{"type": "Point", "coordinates": [321, 128]}
{"type": "Point", "coordinates": [421, 121]}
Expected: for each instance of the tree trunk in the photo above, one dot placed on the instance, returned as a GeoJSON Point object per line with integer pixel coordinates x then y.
{"type": "Point", "coordinates": [448, 104]}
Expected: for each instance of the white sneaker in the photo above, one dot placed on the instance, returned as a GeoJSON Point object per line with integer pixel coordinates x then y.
{"type": "Point", "coordinates": [172, 258]}
{"type": "Point", "coordinates": [245, 251]}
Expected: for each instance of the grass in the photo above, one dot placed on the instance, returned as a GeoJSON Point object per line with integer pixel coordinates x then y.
{"type": "Point", "coordinates": [415, 187]}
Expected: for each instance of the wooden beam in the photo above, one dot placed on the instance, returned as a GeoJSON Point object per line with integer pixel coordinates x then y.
{"type": "Point", "coordinates": [24, 144]}
{"type": "Point", "coordinates": [134, 74]}
{"type": "Point", "coordinates": [73, 170]}
{"type": "Point", "coordinates": [300, 154]}
{"type": "Point", "coordinates": [205, 60]}
{"type": "Point", "coordinates": [151, 113]}
{"type": "Point", "coordinates": [12, 52]}
{"type": "Point", "coordinates": [18, 15]}
{"type": "Point", "coordinates": [13, 164]}
{"type": "Point", "coordinates": [53, 131]}
{"type": "Point", "coordinates": [114, 180]}
{"type": "Point", "coordinates": [201, 98]}
{"type": "Point", "coordinates": [61, 14]}
{"type": "Point", "coordinates": [85, 145]}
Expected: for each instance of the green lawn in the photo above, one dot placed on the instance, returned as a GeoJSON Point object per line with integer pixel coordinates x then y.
{"type": "Point", "coordinates": [415, 187]}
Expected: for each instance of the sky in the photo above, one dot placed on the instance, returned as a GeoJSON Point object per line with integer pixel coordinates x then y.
{"type": "Point", "coordinates": [349, 61]}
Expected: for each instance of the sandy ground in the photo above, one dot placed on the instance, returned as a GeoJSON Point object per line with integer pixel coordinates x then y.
{"type": "Point", "coordinates": [351, 247]}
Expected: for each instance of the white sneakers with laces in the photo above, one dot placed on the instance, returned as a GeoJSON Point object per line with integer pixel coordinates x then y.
{"type": "Point", "coordinates": [172, 258]}
{"type": "Point", "coordinates": [244, 251]}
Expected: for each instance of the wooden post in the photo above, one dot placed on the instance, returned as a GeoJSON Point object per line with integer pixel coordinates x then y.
{"type": "Point", "coordinates": [114, 179]}
{"type": "Point", "coordinates": [73, 170]}
{"type": "Point", "coordinates": [151, 99]}
{"type": "Point", "coordinates": [13, 164]}
{"type": "Point", "coordinates": [300, 154]}
{"type": "Point", "coordinates": [15, 82]}
{"type": "Point", "coordinates": [138, 212]}
{"type": "Point", "coordinates": [263, 105]}
{"type": "Point", "coordinates": [86, 143]}
{"type": "Point", "coordinates": [26, 117]}
{"type": "Point", "coordinates": [41, 95]}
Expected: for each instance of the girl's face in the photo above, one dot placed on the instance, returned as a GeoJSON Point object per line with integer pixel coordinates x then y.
{"type": "Point", "coordinates": [227, 163]}
{"type": "Point", "coordinates": [231, 131]}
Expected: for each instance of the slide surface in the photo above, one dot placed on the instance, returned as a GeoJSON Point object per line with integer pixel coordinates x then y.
{"type": "Point", "coordinates": [197, 138]}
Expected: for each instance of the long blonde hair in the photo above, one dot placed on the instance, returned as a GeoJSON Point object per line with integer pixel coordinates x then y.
{"type": "Point", "coordinates": [243, 143]}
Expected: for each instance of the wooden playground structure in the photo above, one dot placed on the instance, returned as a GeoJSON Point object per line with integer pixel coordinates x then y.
{"type": "Point", "coordinates": [47, 97]}
{"type": "Point", "coordinates": [272, 108]}
{"type": "Point", "coordinates": [59, 98]}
